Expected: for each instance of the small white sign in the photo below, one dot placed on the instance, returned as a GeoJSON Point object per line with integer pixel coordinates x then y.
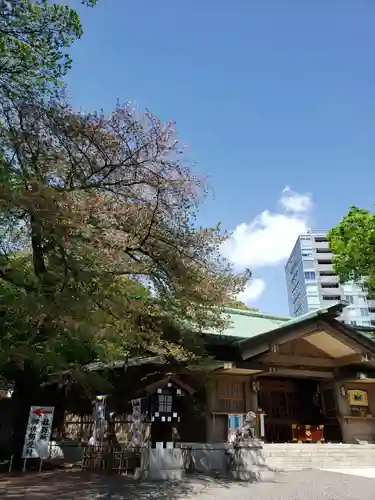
{"type": "Point", "coordinates": [38, 432]}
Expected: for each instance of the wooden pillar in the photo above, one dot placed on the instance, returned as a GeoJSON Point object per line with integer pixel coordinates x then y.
{"type": "Point", "coordinates": [251, 396]}
{"type": "Point", "coordinates": [210, 401]}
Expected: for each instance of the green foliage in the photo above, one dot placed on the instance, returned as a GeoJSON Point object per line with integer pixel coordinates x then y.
{"type": "Point", "coordinates": [74, 328]}
{"type": "Point", "coordinates": [93, 210]}
{"type": "Point", "coordinates": [352, 242]}
{"type": "Point", "coordinates": [237, 304]}
{"type": "Point", "coordinates": [34, 40]}
{"type": "Point", "coordinates": [97, 206]}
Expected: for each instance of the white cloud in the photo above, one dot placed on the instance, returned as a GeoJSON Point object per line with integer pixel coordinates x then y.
{"type": "Point", "coordinates": [294, 202]}
{"type": "Point", "coordinates": [269, 237]}
{"type": "Point", "coordinates": [252, 292]}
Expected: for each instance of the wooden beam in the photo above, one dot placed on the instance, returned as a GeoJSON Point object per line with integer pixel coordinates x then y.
{"type": "Point", "coordinates": [298, 332]}
{"type": "Point", "coordinates": [301, 332]}
{"type": "Point", "coordinates": [288, 372]}
{"type": "Point", "coordinates": [242, 366]}
{"type": "Point", "coordinates": [290, 360]}
{"type": "Point", "coordinates": [355, 359]}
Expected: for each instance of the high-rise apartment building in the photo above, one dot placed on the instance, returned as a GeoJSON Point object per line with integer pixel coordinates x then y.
{"type": "Point", "coordinates": [312, 283]}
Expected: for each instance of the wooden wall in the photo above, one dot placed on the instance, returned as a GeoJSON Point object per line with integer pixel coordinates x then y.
{"type": "Point", "coordinates": [227, 394]}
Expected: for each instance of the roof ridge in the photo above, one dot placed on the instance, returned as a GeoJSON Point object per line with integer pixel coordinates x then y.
{"type": "Point", "coordinates": [255, 314]}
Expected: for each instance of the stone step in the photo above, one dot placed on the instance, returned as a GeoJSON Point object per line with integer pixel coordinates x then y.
{"type": "Point", "coordinates": [322, 456]}
{"type": "Point", "coordinates": [313, 446]}
{"type": "Point", "coordinates": [296, 463]}
{"type": "Point", "coordinates": [307, 455]}
{"type": "Point", "coordinates": [325, 459]}
{"type": "Point", "coordinates": [318, 456]}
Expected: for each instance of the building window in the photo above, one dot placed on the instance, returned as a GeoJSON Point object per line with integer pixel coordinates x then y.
{"type": "Point", "coordinates": [299, 310]}
{"type": "Point", "coordinates": [308, 264]}
{"type": "Point", "coordinates": [364, 311]}
{"type": "Point", "coordinates": [321, 239]}
{"type": "Point", "coordinates": [231, 396]}
{"type": "Point", "coordinates": [165, 403]}
{"type": "Point", "coordinates": [349, 298]}
{"type": "Point", "coordinates": [310, 275]}
{"type": "Point", "coordinates": [324, 262]}
{"type": "Point", "coordinates": [307, 254]}
{"type": "Point", "coordinates": [360, 299]}
{"type": "Point", "coordinates": [336, 298]}
{"type": "Point", "coordinates": [296, 297]}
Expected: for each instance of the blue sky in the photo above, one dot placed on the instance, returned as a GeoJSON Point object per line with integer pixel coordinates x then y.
{"type": "Point", "coordinates": [268, 94]}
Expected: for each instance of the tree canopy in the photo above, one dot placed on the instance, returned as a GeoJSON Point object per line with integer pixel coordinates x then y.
{"type": "Point", "coordinates": [100, 253]}
{"type": "Point", "coordinates": [237, 304]}
{"type": "Point", "coordinates": [352, 242]}
{"type": "Point", "coordinates": [34, 39]}
{"type": "Point", "coordinates": [90, 204]}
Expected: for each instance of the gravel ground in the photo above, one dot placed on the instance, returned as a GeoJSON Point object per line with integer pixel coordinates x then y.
{"type": "Point", "coordinates": [306, 485]}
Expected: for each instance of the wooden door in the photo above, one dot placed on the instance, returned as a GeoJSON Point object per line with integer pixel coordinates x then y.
{"type": "Point", "coordinates": [279, 400]}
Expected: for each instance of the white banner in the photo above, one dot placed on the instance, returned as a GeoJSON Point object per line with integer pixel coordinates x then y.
{"type": "Point", "coordinates": [38, 432]}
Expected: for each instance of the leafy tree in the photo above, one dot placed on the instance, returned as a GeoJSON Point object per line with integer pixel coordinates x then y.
{"type": "Point", "coordinates": [352, 242]}
{"type": "Point", "coordinates": [237, 304]}
{"type": "Point", "coordinates": [97, 206]}
{"type": "Point", "coordinates": [34, 38]}
{"type": "Point", "coordinates": [99, 253]}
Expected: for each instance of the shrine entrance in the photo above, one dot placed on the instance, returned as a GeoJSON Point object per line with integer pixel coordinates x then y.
{"type": "Point", "coordinates": [288, 403]}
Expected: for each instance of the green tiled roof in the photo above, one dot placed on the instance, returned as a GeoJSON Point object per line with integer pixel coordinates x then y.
{"type": "Point", "coordinates": [248, 324]}
{"type": "Point", "coordinates": [367, 332]}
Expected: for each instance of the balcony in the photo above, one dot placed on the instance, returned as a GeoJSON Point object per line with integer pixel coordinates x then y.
{"type": "Point", "coordinates": [330, 291]}
{"type": "Point", "coordinates": [321, 245]}
{"type": "Point", "coordinates": [329, 280]}
{"type": "Point", "coordinates": [324, 256]}
{"type": "Point", "coordinates": [331, 297]}
{"type": "Point", "coordinates": [326, 266]}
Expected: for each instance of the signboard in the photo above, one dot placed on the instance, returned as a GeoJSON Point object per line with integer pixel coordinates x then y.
{"type": "Point", "coordinates": [38, 432]}
{"type": "Point", "coordinates": [357, 397]}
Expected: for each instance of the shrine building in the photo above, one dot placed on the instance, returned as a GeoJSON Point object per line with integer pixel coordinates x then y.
{"type": "Point", "coordinates": [312, 377]}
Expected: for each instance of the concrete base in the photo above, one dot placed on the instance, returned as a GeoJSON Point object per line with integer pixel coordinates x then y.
{"type": "Point", "coordinates": [209, 458]}
{"type": "Point", "coordinates": [247, 463]}
{"type": "Point", "coordinates": [161, 465]}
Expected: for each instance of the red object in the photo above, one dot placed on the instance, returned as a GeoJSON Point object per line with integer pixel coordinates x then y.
{"type": "Point", "coordinates": [308, 433]}
{"type": "Point", "coordinates": [41, 412]}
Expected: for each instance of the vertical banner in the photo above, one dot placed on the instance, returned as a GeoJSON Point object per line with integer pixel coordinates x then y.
{"type": "Point", "coordinates": [99, 410]}
{"type": "Point", "coordinates": [136, 422]}
{"type": "Point", "coordinates": [38, 432]}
